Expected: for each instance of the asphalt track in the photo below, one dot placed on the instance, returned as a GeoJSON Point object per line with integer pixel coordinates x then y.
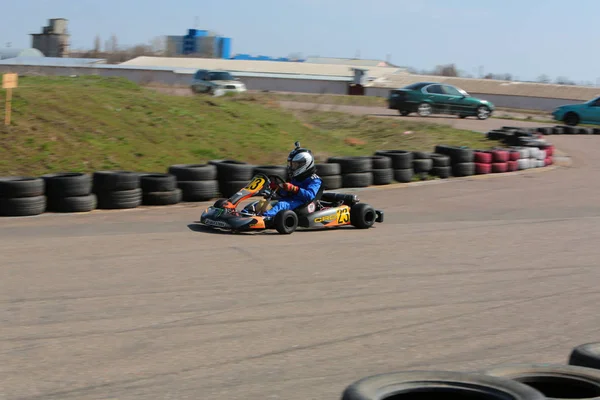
{"type": "Point", "coordinates": [462, 275]}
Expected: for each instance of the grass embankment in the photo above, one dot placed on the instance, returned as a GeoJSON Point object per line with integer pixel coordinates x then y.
{"type": "Point", "coordinates": [84, 124]}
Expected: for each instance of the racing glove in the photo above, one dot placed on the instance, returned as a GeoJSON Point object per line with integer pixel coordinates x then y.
{"type": "Point", "coordinates": [288, 187]}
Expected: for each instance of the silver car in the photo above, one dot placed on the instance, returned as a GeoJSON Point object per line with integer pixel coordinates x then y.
{"type": "Point", "coordinates": [216, 82]}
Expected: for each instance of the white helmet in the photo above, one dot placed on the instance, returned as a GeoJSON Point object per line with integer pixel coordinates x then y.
{"type": "Point", "coordinates": [301, 163]}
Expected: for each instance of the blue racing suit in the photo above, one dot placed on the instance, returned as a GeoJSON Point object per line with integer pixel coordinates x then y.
{"type": "Point", "coordinates": [308, 191]}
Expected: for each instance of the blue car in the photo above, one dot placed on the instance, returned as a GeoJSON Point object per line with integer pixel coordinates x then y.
{"type": "Point", "coordinates": [582, 113]}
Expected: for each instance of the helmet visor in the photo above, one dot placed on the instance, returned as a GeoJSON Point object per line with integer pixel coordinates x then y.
{"type": "Point", "coordinates": [294, 165]}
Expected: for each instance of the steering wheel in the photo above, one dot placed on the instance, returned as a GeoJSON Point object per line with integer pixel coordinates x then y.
{"type": "Point", "coordinates": [279, 180]}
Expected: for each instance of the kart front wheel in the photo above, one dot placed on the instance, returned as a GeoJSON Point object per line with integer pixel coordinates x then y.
{"type": "Point", "coordinates": [286, 222]}
{"type": "Point", "coordinates": [362, 216]}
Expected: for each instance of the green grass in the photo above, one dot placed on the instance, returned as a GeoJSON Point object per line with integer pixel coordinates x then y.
{"type": "Point", "coordinates": [90, 123]}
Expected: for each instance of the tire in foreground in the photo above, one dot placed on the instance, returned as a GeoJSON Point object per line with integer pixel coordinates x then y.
{"type": "Point", "coordinates": [552, 380]}
{"type": "Point", "coordinates": [438, 385]}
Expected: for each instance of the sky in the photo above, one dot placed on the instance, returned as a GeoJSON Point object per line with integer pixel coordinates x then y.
{"type": "Point", "coordinates": [526, 38]}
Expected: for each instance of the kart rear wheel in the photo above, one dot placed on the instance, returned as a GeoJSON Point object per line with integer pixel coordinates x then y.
{"type": "Point", "coordinates": [362, 216]}
{"type": "Point", "coordinates": [286, 222]}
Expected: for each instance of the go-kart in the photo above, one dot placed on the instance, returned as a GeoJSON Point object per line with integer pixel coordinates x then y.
{"type": "Point", "coordinates": [325, 211]}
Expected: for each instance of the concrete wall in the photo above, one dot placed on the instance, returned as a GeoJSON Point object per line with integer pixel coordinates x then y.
{"type": "Point", "coordinates": [169, 77]}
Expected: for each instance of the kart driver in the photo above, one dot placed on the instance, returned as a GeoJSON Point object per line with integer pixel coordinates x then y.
{"type": "Point", "coordinates": [303, 186]}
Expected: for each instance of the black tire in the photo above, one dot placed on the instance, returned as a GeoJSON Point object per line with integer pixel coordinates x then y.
{"type": "Point", "coordinates": [571, 119]}
{"type": "Point", "coordinates": [586, 355]}
{"type": "Point", "coordinates": [463, 169]}
{"type": "Point", "coordinates": [404, 113]}
{"type": "Point", "coordinates": [74, 204]}
{"type": "Point", "coordinates": [420, 166]}
{"type": "Point", "coordinates": [151, 183]}
{"type": "Point", "coordinates": [456, 154]}
{"type": "Point", "coordinates": [120, 199]}
{"type": "Point", "coordinates": [18, 186]}
{"type": "Point", "coordinates": [558, 130]}
{"type": "Point", "coordinates": [328, 169]}
{"type": "Point", "coordinates": [401, 159]}
{"type": "Point", "coordinates": [332, 182]}
{"type": "Point", "coordinates": [233, 170]}
{"type": "Point", "coordinates": [383, 176]}
{"type": "Point", "coordinates": [277, 170]}
{"type": "Point", "coordinates": [596, 131]}
{"type": "Point", "coordinates": [230, 188]}
{"type": "Point", "coordinates": [362, 216]}
{"type": "Point", "coordinates": [404, 175]}
{"type": "Point", "coordinates": [381, 162]}
{"type": "Point", "coordinates": [570, 130]}
{"type": "Point", "coordinates": [441, 172]}
{"type": "Point", "coordinates": [421, 155]}
{"type": "Point", "coordinates": [198, 190]}
{"type": "Point", "coordinates": [586, 131]}
{"type": "Point", "coordinates": [22, 206]}
{"type": "Point", "coordinates": [113, 181]}
{"type": "Point", "coordinates": [193, 172]}
{"type": "Point", "coordinates": [352, 165]}
{"type": "Point", "coordinates": [357, 180]}
{"type": "Point", "coordinates": [553, 381]}
{"type": "Point", "coordinates": [440, 160]}
{"type": "Point", "coordinates": [162, 198]}
{"type": "Point", "coordinates": [285, 222]}
{"type": "Point", "coordinates": [67, 184]}
{"type": "Point", "coordinates": [437, 385]}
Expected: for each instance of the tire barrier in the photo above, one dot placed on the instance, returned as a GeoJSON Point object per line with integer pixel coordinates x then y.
{"type": "Point", "coordinates": [383, 173]}
{"type": "Point", "coordinates": [461, 159]}
{"type": "Point", "coordinates": [402, 164]}
{"type": "Point", "coordinates": [232, 175]}
{"type": "Point", "coordinates": [69, 192]}
{"type": "Point", "coordinates": [159, 189]}
{"type": "Point", "coordinates": [565, 130]}
{"type": "Point", "coordinates": [117, 190]}
{"type": "Point", "coordinates": [355, 171]}
{"type": "Point", "coordinates": [22, 196]}
{"type": "Point", "coordinates": [197, 182]}
{"type": "Point", "coordinates": [79, 192]}
{"type": "Point", "coordinates": [586, 355]}
{"type": "Point", "coordinates": [579, 378]}
{"type": "Point", "coordinates": [331, 175]}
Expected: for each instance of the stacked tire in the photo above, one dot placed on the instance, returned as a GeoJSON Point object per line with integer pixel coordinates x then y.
{"type": "Point", "coordinates": [483, 162]}
{"type": "Point", "coordinates": [117, 190]}
{"type": "Point", "coordinates": [277, 170]}
{"type": "Point", "coordinates": [232, 175]}
{"type": "Point", "coordinates": [461, 159]}
{"type": "Point", "coordinates": [331, 175]}
{"type": "Point", "coordinates": [159, 189]}
{"type": "Point", "coordinates": [197, 182]}
{"type": "Point", "coordinates": [22, 196]}
{"type": "Point", "coordinates": [69, 192]}
{"type": "Point", "coordinates": [549, 149]}
{"type": "Point", "coordinates": [422, 164]}
{"type": "Point", "coordinates": [537, 157]}
{"type": "Point", "coordinates": [355, 171]}
{"type": "Point", "coordinates": [383, 173]}
{"type": "Point", "coordinates": [402, 164]}
{"type": "Point", "coordinates": [441, 165]}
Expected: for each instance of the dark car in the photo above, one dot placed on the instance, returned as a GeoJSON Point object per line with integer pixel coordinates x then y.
{"type": "Point", "coordinates": [427, 98]}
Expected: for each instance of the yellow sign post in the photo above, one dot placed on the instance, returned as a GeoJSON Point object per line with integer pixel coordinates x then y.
{"type": "Point", "coordinates": [9, 82]}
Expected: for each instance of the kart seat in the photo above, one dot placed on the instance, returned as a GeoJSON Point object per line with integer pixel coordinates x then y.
{"type": "Point", "coordinates": [304, 209]}
{"type": "Point", "coordinates": [335, 198]}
